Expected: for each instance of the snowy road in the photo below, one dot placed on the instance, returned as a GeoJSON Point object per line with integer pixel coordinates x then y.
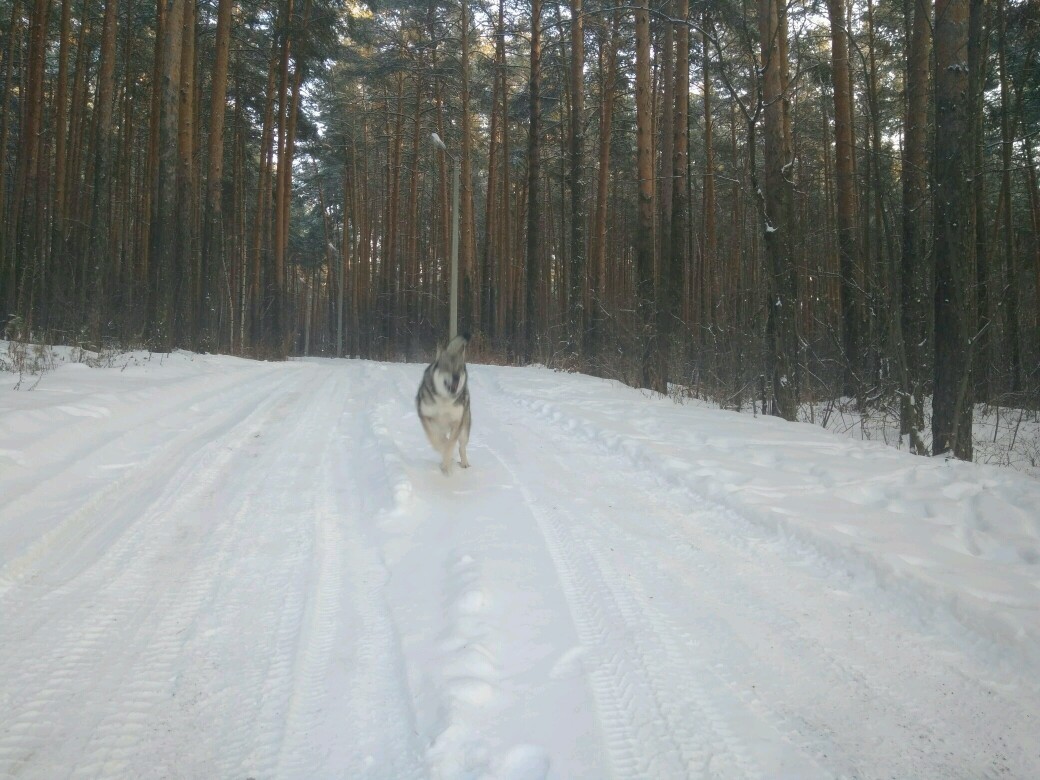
{"type": "Point", "coordinates": [214, 568]}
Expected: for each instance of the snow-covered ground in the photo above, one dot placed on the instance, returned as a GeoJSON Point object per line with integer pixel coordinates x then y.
{"type": "Point", "coordinates": [1002, 436]}
{"type": "Point", "coordinates": [211, 567]}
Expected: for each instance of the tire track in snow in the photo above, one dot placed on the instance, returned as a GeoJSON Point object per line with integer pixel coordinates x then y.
{"type": "Point", "coordinates": [275, 697]}
{"type": "Point", "coordinates": [466, 682]}
{"type": "Point", "coordinates": [70, 539]}
{"type": "Point", "coordinates": [657, 721]}
{"type": "Point", "coordinates": [824, 637]}
{"type": "Point", "coordinates": [315, 640]}
{"type": "Point", "coordinates": [139, 411]}
{"type": "Point", "coordinates": [348, 583]}
{"type": "Point", "coordinates": [77, 439]}
{"type": "Point", "coordinates": [365, 483]}
{"type": "Point", "coordinates": [303, 636]}
{"type": "Point", "coordinates": [121, 621]}
{"type": "Point", "coordinates": [841, 697]}
{"type": "Point", "coordinates": [972, 628]}
{"type": "Point", "coordinates": [153, 679]}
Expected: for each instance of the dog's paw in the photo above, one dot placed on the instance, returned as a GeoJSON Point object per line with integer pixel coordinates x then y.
{"type": "Point", "coordinates": [446, 469]}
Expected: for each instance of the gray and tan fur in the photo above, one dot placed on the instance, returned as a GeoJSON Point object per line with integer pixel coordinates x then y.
{"type": "Point", "coordinates": [443, 402]}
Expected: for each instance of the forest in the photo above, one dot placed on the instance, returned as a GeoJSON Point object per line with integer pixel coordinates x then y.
{"type": "Point", "coordinates": [762, 203]}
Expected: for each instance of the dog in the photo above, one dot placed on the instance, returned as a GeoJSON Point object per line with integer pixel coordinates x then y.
{"type": "Point", "coordinates": [443, 402]}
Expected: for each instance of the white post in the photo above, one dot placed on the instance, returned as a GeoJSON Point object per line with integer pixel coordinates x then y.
{"type": "Point", "coordinates": [453, 312]}
{"type": "Point", "coordinates": [454, 306]}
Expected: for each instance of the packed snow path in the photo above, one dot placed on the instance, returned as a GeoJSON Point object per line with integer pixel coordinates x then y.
{"type": "Point", "coordinates": [223, 569]}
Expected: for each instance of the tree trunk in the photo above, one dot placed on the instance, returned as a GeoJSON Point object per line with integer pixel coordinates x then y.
{"type": "Point", "coordinates": [645, 235]}
{"type": "Point", "coordinates": [680, 227]}
{"type": "Point", "coordinates": [1033, 188]}
{"type": "Point", "coordinates": [598, 256]}
{"type": "Point", "coordinates": [1009, 296]}
{"type": "Point", "coordinates": [506, 302]}
{"type": "Point", "coordinates": [151, 187]}
{"type": "Point", "coordinates": [575, 298]}
{"type": "Point", "coordinates": [29, 193]}
{"type": "Point", "coordinates": [531, 321]}
{"type": "Point", "coordinates": [280, 325]}
{"type": "Point", "coordinates": [468, 282]}
{"type": "Point", "coordinates": [955, 304]}
{"type": "Point", "coordinates": [412, 259]}
{"type": "Point", "coordinates": [7, 264]}
{"type": "Point", "coordinates": [709, 243]}
{"type": "Point", "coordinates": [390, 264]}
{"type": "Point", "coordinates": [165, 214]}
{"type": "Point", "coordinates": [262, 220]}
{"type": "Point", "coordinates": [983, 346]}
{"type": "Point", "coordinates": [850, 259]}
{"type": "Point", "coordinates": [914, 271]}
{"type": "Point", "coordinates": [185, 319]}
{"type": "Point", "coordinates": [491, 289]}
{"type": "Point", "coordinates": [61, 106]}
{"type": "Point", "coordinates": [778, 216]}
{"type": "Point", "coordinates": [212, 236]}
{"type": "Point", "coordinates": [664, 294]}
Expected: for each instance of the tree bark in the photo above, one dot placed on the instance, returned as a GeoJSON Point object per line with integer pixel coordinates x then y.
{"type": "Point", "coordinates": [212, 255]}
{"type": "Point", "coordinates": [531, 320]}
{"type": "Point", "coordinates": [850, 259]}
{"type": "Point", "coordinates": [165, 214]}
{"type": "Point", "coordinates": [645, 233]}
{"type": "Point", "coordinates": [280, 326]}
{"type": "Point", "coordinates": [186, 315]}
{"type": "Point", "coordinates": [779, 222]}
{"type": "Point", "coordinates": [493, 254]}
{"type": "Point", "coordinates": [8, 267]}
{"type": "Point", "coordinates": [576, 292]}
{"type": "Point", "coordinates": [914, 270]}
{"type": "Point", "coordinates": [665, 296]}
{"type": "Point", "coordinates": [955, 304]}
{"type": "Point", "coordinates": [28, 196]}
{"type": "Point", "coordinates": [598, 255]}
{"type": "Point", "coordinates": [1009, 295]}
{"type": "Point", "coordinates": [469, 313]}
{"type": "Point", "coordinates": [709, 243]}
{"type": "Point", "coordinates": [61, 106]}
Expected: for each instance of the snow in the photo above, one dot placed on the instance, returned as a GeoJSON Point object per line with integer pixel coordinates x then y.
{"type": "Point", "coordinates": [212, 567]}
{"type": "Point", "coordinates": [1001, 435]}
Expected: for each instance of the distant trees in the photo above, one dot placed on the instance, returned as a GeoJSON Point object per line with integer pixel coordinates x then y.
{"type": "Point", "coordinates": [765, 203]}
{"type": "Point", "coordinates": [124, 205]}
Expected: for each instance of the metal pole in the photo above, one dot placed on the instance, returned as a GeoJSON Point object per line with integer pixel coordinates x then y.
{"type": "Point", "coordinates": [454, 306]}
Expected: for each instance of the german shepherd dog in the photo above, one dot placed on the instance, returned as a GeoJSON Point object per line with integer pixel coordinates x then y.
{"type": "Point", "coordinates": [443, 402]}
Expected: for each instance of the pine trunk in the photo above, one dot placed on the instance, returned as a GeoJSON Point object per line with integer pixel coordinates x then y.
{"type": "Point", "coordinates": [576, 292]}
{"type": "Point", "coordinates": [651, 377]}
{"type": "Point", "coordinates": [212, 236]}
{"type": "Point", "coordinates": [954, 238]}
{"type": "Point", "coordinates": [533, 258]}
{"type": "Point", "coordinates": [914, 272]}
{"type": "Point", "coordinates": [782, 287]}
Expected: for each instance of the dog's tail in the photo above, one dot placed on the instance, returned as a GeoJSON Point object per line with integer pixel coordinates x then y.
{"type": "Point", "coordinates": [457, 345]}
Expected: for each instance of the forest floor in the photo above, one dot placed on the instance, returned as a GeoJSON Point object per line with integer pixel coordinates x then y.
{"type": "Point", "coordinates": [214, 567]}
